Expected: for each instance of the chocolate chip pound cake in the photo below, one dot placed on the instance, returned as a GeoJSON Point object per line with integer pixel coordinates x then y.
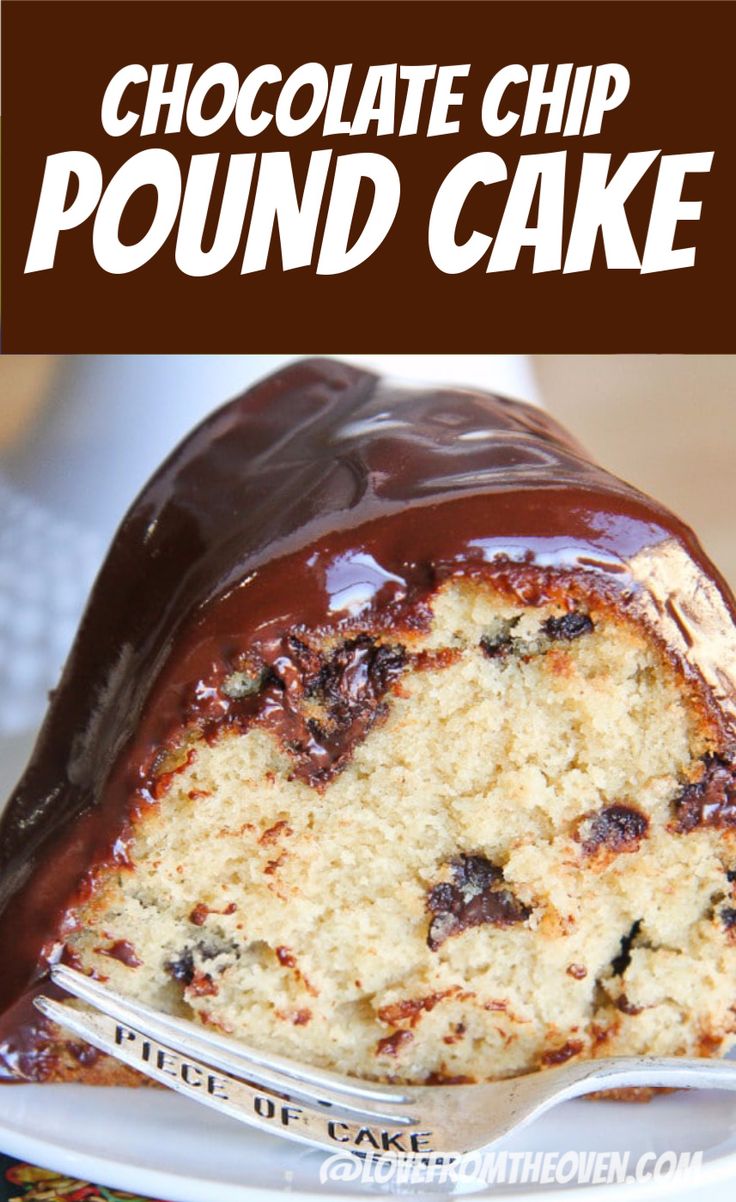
{"type": "Point", "coordinates": [398, 737]}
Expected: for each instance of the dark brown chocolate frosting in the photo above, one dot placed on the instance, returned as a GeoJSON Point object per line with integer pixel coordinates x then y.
{"type": "Point", "coordinates": [322, 495]}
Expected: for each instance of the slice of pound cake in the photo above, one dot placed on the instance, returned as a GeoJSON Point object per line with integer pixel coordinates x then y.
{"type": "Point", "coordinates": [398, 738]}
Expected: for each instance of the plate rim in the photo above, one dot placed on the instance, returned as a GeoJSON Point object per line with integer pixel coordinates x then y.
{"type": "Point", "coordinates": [154, 1183]}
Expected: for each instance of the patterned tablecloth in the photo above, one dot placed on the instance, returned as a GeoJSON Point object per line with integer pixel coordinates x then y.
{"type": "Point", "coordinates": [46, 567]}
{"type": "Point", "coordinates": [20, 1182]}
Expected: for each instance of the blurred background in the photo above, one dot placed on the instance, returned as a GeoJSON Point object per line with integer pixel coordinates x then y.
{"type": "Point", "coordinates": [80, 435]}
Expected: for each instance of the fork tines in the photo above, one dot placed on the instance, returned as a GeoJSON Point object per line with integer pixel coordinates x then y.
{"type": "Point", "coordinates": [303, 1103]}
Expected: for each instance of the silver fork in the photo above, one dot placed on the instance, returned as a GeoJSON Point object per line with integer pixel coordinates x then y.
{"type": "Point", "coordinates": [330, 1111]}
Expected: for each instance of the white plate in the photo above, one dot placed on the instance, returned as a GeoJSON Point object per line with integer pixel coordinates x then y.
{"type": "Point", "coordinates": [164, 1146]}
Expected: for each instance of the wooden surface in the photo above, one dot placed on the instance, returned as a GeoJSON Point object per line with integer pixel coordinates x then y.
{"type": "Point", "coordinates": [24, 384]}
{"type": "Point", "coordinates": [666, 423]}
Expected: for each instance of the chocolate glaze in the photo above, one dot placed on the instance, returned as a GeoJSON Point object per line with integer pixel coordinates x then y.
{"type": "Point", "coordinates": [322, 497]}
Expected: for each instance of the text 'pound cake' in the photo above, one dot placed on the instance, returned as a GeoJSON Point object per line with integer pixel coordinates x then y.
{"type": "Point", "coordinates": [398, 738]}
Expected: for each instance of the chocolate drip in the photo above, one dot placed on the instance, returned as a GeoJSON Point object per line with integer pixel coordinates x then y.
{"type": "Point", "coordinates": [324, 498]}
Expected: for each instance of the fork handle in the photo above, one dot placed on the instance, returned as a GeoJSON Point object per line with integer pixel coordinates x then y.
{"type": "Point", "coordinates": [274, 1113]}
{"type": "Point", "coordinates": [673, 1072]}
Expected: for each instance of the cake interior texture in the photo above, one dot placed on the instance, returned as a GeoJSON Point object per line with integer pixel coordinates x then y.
{"type": "Point", "coordinates": [512, 861]}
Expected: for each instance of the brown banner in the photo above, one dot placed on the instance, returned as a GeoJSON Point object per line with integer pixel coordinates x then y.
{"type": "Point", "coordinates": [446, 175]}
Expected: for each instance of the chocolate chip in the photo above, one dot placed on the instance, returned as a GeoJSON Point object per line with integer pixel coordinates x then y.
{"type": "Point", "coordinates": [626, 1007]}
{"type": "Point", "coordinates": [358, 673]}
{"type": "Point", "coordinates": [569, 626]}
{"type": "Point", "coordinates": [474, 897]}
{"type": "Point", "coordinates": [458, 1030]}
{"type": "Point", "coordinates": [392, 1044]}
{"type": "Point", "coordinates": [728, 917]}
{"type": "Point", "coordinates": [212, 947]}
{"type": "Point", "coordinates": [711, 801]}
{"type": "Point", "coordinates": [473, 874]}
{"type": "Point", "coordinates": [410, 1010]}
{"type": "Point", "coordinates": [182, 969]}
{"type": "Point", "coordinates": [621, 962]}
{"type": "Point", "coordinates": [498, 647]}
{"type": "Point", "coordinates": [202, 985]}
{"type": "Point", "coordinates": [578, 971]}
{"type": "Point", "coordinates": [731, 875]}
{"type": "Point", "coordinates": [272, 834]}
{"type": "Point", "coordinates": [617, 828]}
{"type": "Point", "coordinates": [123, 951]}
{"type": "Point", "coordinates": [431, 660]}
{"type": "Point", "coordinates": [84, 1053]}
